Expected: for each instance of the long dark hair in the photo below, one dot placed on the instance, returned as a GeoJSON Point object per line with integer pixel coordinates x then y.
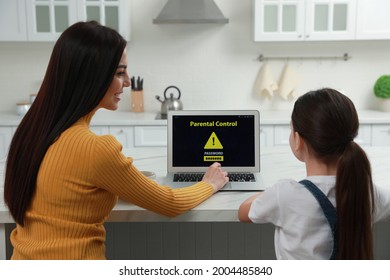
{"type": "Point", "coordinates": [328, 122]}
{"type": "Point", "coordinates": [81, 68]}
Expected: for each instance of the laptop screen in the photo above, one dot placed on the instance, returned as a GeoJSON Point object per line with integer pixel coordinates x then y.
{"type": "Point", "coordinates": [201, 139]}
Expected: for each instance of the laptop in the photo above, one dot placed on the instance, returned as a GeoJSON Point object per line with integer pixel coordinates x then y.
{"type": "Point", "coordinates": [198, 138]}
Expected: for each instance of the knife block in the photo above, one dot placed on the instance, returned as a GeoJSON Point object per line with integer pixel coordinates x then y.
{"type": "Point", "coordinates": [137, 101]}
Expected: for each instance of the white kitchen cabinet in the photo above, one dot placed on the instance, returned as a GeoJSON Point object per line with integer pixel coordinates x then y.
{"type": "Point", "coordinates": [380, 135]}
{"type": "Point", "coordinates": [304, 20]}
{"type": "Point", "coordinates": [111, 13]}
{"type": "Point", "coordinates": [364, 136]}
{"type": "Point", "coordinates": [266, 136]}
{"type": "Point", "coordinates": [13, 26]}
{"type": "Point", "coordinates": [282, 135]}
{"type": "Point", "coordinates": [45, 20]}
{"type": "Point", "coordinates": [279, 20]}
{"type": "Point", "coordinates": [373, 20]}
{"type": "Point", "coordinates": [124, 134]}
{"type": "Point", "coordinates": [6, 133]}
{"type": "Point", "coordinates": [100, 129]}
{"type": "Point", "coordinates": [150, 136]}
{"type": "Point", "coordinates": [131, 136]}
{"type": "Point", "coordinates": [330, 20]}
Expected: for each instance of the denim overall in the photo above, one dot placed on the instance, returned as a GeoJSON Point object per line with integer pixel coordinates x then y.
{"type": "Point", "coordinates": [329, 211]}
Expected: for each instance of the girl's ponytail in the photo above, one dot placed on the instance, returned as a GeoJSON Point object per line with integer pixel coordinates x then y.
{"type": "Point", "coordinates": [355, 201]}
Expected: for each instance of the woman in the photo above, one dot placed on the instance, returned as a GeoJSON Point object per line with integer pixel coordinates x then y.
{"type": "Point", "coordinates": [323, 126]}
{"type": "Point", "coordinates": [62, 180]}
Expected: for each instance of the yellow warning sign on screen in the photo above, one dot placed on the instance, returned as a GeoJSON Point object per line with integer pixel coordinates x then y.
{"type": "Point", "coordinates": [213, 142]}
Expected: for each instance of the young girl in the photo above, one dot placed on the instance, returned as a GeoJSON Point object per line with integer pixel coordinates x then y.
{"type": "Point", "coordinates": [323, 126]}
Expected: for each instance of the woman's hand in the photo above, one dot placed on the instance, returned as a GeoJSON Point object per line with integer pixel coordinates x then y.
{"type": "Point", "coordinates": [216, 176]}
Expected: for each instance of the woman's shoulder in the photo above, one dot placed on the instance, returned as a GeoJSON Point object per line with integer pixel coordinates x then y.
{"type": "Point", "coordinates": [103, 149]}
{"type": "Point", "coordinates": [107, 144]}
{"type": "Point", "coordinates": [87, 139]}
{"type": "Point", "coordinates": [80, 130]}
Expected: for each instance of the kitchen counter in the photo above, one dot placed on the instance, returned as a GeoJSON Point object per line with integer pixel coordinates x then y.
{"type": "Point", "coordinates": [104, 117]}
{"type": "Point", "coordinates": [221, 207]}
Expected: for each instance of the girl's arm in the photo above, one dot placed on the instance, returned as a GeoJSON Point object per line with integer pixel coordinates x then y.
{"type": "Point", "coordinates": [243, 211]}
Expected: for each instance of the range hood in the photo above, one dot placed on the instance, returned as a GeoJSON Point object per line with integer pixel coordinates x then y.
{"type": "Point", "coordinates": [190, 11]}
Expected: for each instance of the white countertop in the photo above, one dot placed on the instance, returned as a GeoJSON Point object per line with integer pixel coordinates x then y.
{"type": "Point", "coordinates": [104, 117]}
{"type": "Point", "coordinates": [277, 163]}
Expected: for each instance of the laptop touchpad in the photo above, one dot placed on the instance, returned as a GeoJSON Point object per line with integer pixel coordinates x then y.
{"type": "Point", "coordinates": [228, 186]}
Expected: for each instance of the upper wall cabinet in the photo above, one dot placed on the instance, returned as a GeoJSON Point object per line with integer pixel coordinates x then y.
{"type": "Point", "coordinates": [373, 19]}
{"type": "Point", "coordinates": [279, 20]}
{"type": "Point", "coordinates": [321, 20]}
{"type": "Point", "coordinates": [304, 20]}
{"type": "Point", "coordinates": [45, 20]}
{"type": "Point", "coordinates": [330, 20]}
{"type": "Point", "coordinates": [13, 26]}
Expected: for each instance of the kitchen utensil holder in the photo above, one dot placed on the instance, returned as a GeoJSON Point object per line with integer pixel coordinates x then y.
{"type": "Point", "coordinates": [137, 101]}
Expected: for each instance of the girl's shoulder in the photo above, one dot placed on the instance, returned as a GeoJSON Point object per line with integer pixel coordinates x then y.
{"type": "Point", "coordinates": [284, 188]}
{"type": "Point", "coordinates": [290, 188]}
{"type": "Point", "coordinates": [287, 183]}
{"type": "Point", "coordinates": [319, 181]}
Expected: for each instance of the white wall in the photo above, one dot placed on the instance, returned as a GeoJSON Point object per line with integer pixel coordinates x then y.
{"type": "Point", "coordinates": [214, 65]}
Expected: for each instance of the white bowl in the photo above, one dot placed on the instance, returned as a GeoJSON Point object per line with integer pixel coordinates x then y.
{"type": "Point", "coordinates": [22, 108]}
{"type": "Point", "coordinates": [149, 174]}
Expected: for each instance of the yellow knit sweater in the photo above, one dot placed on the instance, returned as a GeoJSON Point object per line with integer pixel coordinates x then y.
{"type": "Point", "coordinates": [78, 184]}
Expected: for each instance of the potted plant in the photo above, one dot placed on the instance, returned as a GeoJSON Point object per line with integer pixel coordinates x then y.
{"type": "Point", "coordinates": [382, 91]}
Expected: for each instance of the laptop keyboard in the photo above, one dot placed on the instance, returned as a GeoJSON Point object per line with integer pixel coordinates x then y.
{"type": "Point", "coordinates": [196, 177]}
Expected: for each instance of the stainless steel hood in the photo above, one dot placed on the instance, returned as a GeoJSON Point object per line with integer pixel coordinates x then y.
{"type": "Point", "coordinates": [190, 11]}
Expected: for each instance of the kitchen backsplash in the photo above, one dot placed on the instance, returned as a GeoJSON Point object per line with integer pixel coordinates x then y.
{"type": "Point", "coordinates": [214, 65]}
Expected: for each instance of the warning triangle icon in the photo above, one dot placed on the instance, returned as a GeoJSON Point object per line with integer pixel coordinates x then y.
{"type": "Point", "coordinates": [213, 142]}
